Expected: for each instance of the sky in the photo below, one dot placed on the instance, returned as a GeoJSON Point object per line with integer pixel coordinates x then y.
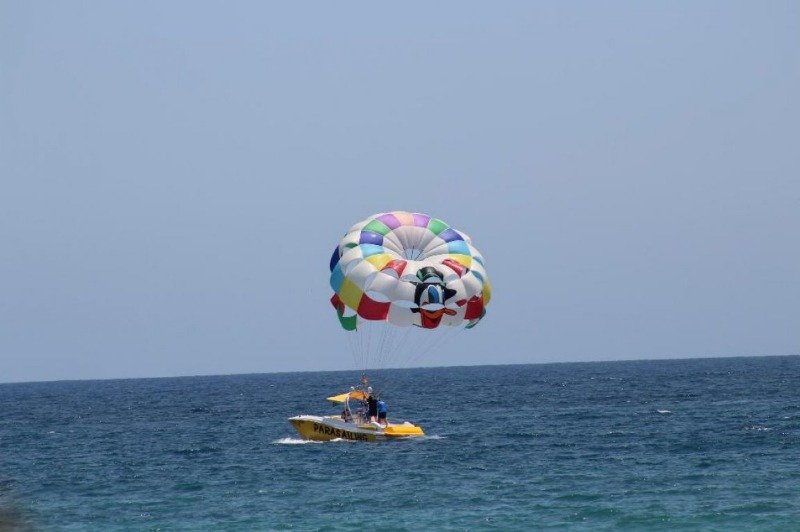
{"type": "Point", "coordinates": [174, 176]}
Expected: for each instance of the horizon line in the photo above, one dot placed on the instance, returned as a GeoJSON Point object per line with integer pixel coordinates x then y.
{"type": "Point", "coordinates": [281, 372]}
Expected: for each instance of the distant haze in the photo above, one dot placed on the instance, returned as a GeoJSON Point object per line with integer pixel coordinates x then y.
{"type": "Point", "coordinates": [174, 176]}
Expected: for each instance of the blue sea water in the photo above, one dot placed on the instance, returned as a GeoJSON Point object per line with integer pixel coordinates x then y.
{"type": "Point", "coordinates": [704, 444]}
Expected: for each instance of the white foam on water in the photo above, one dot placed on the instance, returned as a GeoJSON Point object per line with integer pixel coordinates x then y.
{"type": "Point", "coordinates": [664, 411]}
{"type": "Point", "coordinates": [294, 441]}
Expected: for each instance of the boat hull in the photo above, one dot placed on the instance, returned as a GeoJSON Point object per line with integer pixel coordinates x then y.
{"type": "Point", "coordinates": [319, 428]}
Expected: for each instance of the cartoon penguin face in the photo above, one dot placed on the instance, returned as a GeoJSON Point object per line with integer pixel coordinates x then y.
{"type": "Point", "coordinates": [430, 295]}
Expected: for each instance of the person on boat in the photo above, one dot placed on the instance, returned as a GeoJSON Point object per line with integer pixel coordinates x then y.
{"type": "Point", "coordinates": [360, 415]}
{"type": "Point", "coordinates": [382, 410]}
{"type": "Point", "coordinates": [372, 406]}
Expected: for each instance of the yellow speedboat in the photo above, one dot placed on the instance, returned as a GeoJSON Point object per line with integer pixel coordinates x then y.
{"type": "Point", "coordinates": [350, 425]}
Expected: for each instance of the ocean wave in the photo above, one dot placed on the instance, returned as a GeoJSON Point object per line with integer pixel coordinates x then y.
{"type": "Point", "coordinates": [191, 451]}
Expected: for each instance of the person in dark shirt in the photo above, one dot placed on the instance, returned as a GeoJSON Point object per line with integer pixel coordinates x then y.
{"type": "Point", "coordinates": [372, 406]}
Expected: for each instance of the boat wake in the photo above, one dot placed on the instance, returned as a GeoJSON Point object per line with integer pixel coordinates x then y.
{"type": "Point", "coordinates": [293, 441]}
{"type": "Point", "coordinates": [300, 441]}
{"type": "Point", "coordinates": [431, 437]}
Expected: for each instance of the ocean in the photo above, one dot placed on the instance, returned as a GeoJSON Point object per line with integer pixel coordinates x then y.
{"type": "Point", "coordinates": [700, 444]}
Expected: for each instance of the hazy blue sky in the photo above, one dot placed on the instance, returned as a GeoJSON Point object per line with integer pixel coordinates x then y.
{"type": "Point", "coordinates": [174, 175]}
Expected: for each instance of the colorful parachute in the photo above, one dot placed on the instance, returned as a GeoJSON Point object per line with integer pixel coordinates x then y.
{"type": "Point", "coordinates": [408, 269]}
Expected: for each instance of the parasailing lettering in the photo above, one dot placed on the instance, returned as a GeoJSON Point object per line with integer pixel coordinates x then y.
{"type": "Point", "coordinates": [339, 433]}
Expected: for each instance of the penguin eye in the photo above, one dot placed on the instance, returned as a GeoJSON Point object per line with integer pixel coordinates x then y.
{"type": "Point", "coordinates": [433, 294]}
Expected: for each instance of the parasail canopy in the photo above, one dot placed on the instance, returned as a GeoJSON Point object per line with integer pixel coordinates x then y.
{"type": "Point", "coordinates": [408, 269]}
